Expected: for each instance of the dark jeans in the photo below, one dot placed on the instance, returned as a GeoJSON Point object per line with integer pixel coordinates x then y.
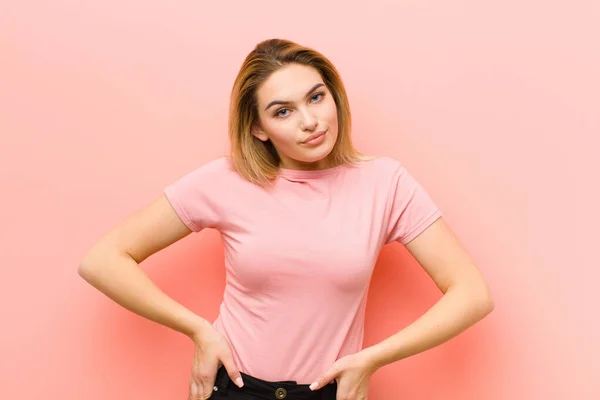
{"type": "Point", "coordinates": [258, 389]}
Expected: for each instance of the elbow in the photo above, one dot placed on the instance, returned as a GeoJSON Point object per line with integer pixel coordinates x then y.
{"type": "Point", "coordinates": [488, 305]}
{"type": "Point", "coordinates": [484, 300]}
{"type": "Point", "coordinates": [100, 261]}
{"type": "Point", "coordinates": [478, 298]}
{"type": "Point", "coordinates": [85, 270]}
{"type": "Point", "coordinates": [91, 264]}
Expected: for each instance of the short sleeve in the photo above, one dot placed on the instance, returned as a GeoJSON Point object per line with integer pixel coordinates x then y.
{"type": "Point", "coordinates": [195, 197]}
{"type": "Point", "coordinates": [411, 209]}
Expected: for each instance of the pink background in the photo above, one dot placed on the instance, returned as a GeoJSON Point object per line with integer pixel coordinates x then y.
{"type": "Point", "coordinates": [493, 107]}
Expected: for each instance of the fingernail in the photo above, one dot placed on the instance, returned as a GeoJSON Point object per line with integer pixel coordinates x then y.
{"type": "Point", "coordinates": [313, 385]}
{"type": "Point", "coordinates": [239, 382]}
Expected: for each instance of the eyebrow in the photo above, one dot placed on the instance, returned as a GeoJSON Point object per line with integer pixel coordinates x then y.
{"type": "Point", "coordinates": [287, 102]}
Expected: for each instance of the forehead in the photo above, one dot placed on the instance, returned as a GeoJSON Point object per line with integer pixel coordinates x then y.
{"type": "Point", "coordinates": [290, 82]}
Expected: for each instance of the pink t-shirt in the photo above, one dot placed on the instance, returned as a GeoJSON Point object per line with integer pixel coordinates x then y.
{"type": "Point", "coordinates": [299, 256]}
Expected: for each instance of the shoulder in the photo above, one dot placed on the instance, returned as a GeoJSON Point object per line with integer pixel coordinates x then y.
{"type": "Point", "coordinates": [214, 174]}
{"type": "Point", "coordinates": [220, 165]}
{"type": "Point", "coordinates": [218, 169]}
{"type": "Point", "coordinates": [380, 166]}
{"type": "Point", "coordinates": [386, 175]}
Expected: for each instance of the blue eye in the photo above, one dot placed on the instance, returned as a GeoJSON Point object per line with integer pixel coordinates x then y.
{"type": "Point", "coordinates": [317, 94]}
{"type": "Point", "coordinates": [315, 98]}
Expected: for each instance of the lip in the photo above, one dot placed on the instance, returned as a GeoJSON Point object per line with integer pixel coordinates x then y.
{"type": "Point", "coordinates": [314, 136]}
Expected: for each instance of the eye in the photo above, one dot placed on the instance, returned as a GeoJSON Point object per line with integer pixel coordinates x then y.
{"type": "Point", "coordinates": [321, 94]}
{"type": "Point", "coordinates": [279, 114]}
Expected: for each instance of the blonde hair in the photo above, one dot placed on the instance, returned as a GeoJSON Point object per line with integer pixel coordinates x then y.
{"type": "Point", "coordinates": [258, 161]}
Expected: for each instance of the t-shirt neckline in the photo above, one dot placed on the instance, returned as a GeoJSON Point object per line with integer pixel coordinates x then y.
{"type": "Point", "coordinates": [308, 174]}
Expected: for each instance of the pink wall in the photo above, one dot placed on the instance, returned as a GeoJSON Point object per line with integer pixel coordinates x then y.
{"type": "Point", "coordinates": [495, 109]}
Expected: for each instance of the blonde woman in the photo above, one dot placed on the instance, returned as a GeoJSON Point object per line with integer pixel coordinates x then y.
{"type": "Point", "coordinates": [303, 216]}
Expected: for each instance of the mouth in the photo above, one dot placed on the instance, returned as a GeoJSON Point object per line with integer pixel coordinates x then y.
{"type": "Point", "coordinates": [314, 137]}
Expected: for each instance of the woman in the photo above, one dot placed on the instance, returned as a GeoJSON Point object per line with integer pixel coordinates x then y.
{"type": "Point", "coordinates": [303, 217]}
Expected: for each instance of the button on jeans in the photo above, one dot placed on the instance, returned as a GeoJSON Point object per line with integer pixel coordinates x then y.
{"type": "Point", "coordinates": [258, 389]}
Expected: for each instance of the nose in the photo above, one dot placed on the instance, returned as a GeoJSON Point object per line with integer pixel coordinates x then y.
{"type": "Point", "coordinates": [308, 121]}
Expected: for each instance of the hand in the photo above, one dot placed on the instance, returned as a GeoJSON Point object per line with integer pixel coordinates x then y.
{"type": "Point", "coordinates": [352, 374]}
{"type": "Point", "coordinates": [211, 350]}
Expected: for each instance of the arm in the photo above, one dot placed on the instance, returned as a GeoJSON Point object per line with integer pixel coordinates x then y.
{"type": "Point", "coordinates": [111, 266]}
{"type": "Point", "coordinates": [466, 298]}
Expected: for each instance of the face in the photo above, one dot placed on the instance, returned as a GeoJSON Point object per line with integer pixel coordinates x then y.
{"type": "Point", "coordinates": [298, 114]}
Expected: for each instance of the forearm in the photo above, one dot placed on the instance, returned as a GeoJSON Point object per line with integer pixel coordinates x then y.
{"type": "Point", "coordinates": [457, 310]}
{"type": "Point", "coordinates": [120, 278]}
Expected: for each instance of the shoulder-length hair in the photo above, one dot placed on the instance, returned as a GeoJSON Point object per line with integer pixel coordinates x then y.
{"type": "Point", "coordinates": [255, 160]}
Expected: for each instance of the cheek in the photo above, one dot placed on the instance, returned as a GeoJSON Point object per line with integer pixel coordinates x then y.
{"type": "Point", "coordinates": [282, 134]}
{"type": "Point", "coordinates": [332, 112]}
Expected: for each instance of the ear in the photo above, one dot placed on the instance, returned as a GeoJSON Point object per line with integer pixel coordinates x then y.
{"type": "Point", "coordinates": [259, 133]}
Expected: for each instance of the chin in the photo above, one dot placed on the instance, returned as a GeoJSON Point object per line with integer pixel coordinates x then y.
{"type": "Point", "coordinates": [314, 156]}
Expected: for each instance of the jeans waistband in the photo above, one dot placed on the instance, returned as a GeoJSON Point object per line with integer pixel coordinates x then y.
{"type": "Point", "coordinates": [282, 390]}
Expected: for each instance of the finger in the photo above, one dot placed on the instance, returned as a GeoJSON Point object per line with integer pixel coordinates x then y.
{"type": "Point", "coordinates": [233, 371]}
{"type": "Point", "coordinates": [207, 387]}
{"type": "Point", "coordinates": [193, 390]}
{"type": "Point", "coordinates": [204, 381]}
{"type": "Point", "coordinates": [322, 381]}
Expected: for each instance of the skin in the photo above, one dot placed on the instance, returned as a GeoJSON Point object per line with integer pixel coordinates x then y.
{"type": "Point", "coordinates": [309, 110]}
{"type": "Point", "coordinates": [466, 298]}
{"type": "Point", "coordinates": [112, 264]}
